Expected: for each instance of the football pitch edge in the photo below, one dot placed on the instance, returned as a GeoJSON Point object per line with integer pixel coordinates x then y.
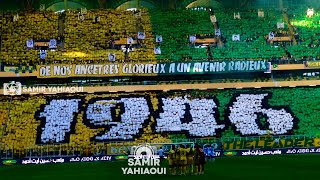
{"type": "Point", "coordinates": [293, 167]}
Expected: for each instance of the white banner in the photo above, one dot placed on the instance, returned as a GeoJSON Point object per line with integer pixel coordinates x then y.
{"type": "Point", "coordinates": [141, 35]}
{"type": "Point", "coordinates": [52, 44]}
{"type": "Point", "coordinates": [158, 38]}
{"type": "Point", "coordinates": [236, 37]}
{"type": "Point", "coordinates": [30, 43]}
{"type": "Point", "coordinates": [157, 50]}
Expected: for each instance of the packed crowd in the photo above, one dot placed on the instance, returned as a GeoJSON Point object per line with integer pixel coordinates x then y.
{"type": "Point", "coordinates": [308, 31]}
{"type": "Point", "coordinates": [252, 30]}
{"type": "Point", "coordinates": [93, 36]}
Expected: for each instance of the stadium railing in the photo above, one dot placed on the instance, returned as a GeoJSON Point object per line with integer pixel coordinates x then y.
{"type": "Point", "coordinates": [222, 80]}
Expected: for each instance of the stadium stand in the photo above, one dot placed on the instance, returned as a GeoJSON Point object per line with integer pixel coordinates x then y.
{"type": "Point", "coordinates": [308, 31]}
{"type": "Point", "coordinates": [175, 27]}
{"type": "Point", "coordinates": [253, 31]}
{"type": "Point", "coordinates": [80, 120]}
{"type": "Point", "coordinates": [29, 25]}
{"type": "Point", "coordinates": [90, 40]}
{"type": "Point", "coordinates": [97, 40]}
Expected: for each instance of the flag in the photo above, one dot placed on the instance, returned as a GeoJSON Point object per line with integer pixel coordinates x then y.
{"type": "Point", "coordinates": [96, 19]}
{"type": "Point", "coordinates": [157, 50]}
{"type": "Point", "coordinates": [30, 43]}
{"type": "Point", "coordinates": [236, 37]}
{"type": "Point", "coordinates": [137, 14]}
{"type": "Point", "coordinates": [42, 7]}
{"type": "Point", "coordinates": [236, 15]}
{"type": "Point", "coordinates": [112, 57]}
{"type": "Point", "coordinates": [260, 13]}
{"type": "Point", "coordinates": [217, 32]}
{"type": "Point", "coordinates": [15, 18]}
{"type": "Point", "coordinates": [158, 38]}
{"type": "Point", "coordinates": [80, 17]}
{"type": "Point", "coordinates": [280, 25]}
{"type": "Point", "coordinates": [129, 40]}
{"type": "Point", "coordinates": [213, 18]}
{"type": "Point", "coordinates": [269, 68]}
{"type": "Point", "coordinates": [83, 10]}
{"type": "Point", "coordinates": [141, 35]}
{"type": "Point", "coordinates": [52, 44]}
{"type": "Point", "coordinates": [43, 54]}
{"type": "Point", "coordinates": [310, 12]}
{"type": "Point", "coordinates": [192, 38]}
{"type": "Point", "coordinates": [271, 35]}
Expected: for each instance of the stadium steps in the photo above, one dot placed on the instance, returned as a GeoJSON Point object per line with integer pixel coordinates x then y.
{"type": "Point", "coordinates": [286, 18]}
{"type": "Point", "coordinates": [61, 27]}
{"type": "Point", "coordinates": [215, 25]}
{"type": "Point", "coordinates": [219, 38]}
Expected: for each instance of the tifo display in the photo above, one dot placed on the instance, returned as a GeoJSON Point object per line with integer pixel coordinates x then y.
{"type": "Point", "coordinates": [115, 89]}
{"type": "Point", "coordinates": [80, 120]}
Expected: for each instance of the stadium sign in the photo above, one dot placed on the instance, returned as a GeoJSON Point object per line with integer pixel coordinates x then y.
{"type": "Point", "coordinates": [238, 145]}
{"type": "Point", "coordinates": [121, 158]}
{"type": "Point", "coordinates": [262, 152]}
{"type": "Point", "coordinates": [9, 162]}
{"type": "Point", "coordinates": [230, 153]}
{"type": "Point", "coordinates": [60, 160]}
{"type": "Point", "coordinates": [140, 163]}
{"type": "Point", "coordinates": [267, 144]}
{"type": "Point", "coordinates": [151, 69]}
{"type": "Point", "coordinates": [311, 64]}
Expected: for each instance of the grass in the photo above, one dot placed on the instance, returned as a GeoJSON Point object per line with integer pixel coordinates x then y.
{"type": "Point", "coordinates": [293, 167]}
